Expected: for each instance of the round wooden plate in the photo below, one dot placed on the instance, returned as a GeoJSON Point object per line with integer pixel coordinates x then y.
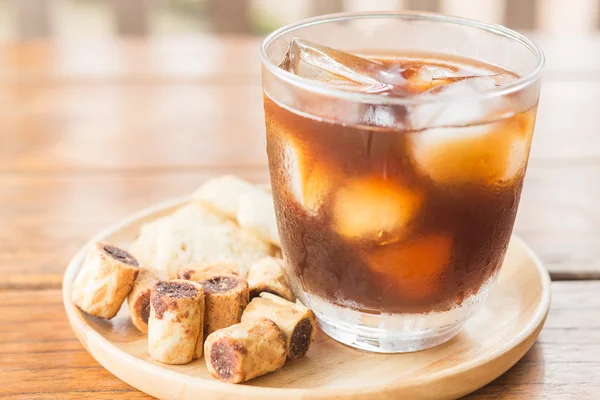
{"type": "Point", "coordinates": [491, 342]}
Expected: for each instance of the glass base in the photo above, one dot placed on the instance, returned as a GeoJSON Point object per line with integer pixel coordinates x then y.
{"type": "Point", "coordinates": [390, 332]}
{"type": "Point", "coordinates": [386, 341]}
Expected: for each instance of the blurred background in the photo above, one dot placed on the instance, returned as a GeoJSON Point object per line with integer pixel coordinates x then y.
{"type": "Point", "coordinates": [110, 106]}
{"type": "Point", "coordinates": [26, 19]}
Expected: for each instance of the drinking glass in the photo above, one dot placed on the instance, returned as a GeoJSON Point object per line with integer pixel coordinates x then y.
{"type": "Point", "coordinates": [395, 212]}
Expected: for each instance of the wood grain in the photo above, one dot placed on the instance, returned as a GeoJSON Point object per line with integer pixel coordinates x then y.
{"type": "Point", "coordinates": [564, 363]}
{"type": "Point", "coordinates": [108, 126]}
{"type": "Point", "coordinates": [93, 145]}
{"type": "Point", "coordinates": [142, 118]}
{"type": "Point", "coordinates": [559, 219]}
{"type": "Point", "coordinates": [75, 206]}
{"type": "Point", "coordinates": [48, 216]}
{"type": "Point", "coordinates": [55, 128]}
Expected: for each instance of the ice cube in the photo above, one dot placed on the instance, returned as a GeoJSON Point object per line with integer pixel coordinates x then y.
{"type": "Point", "coordinates": [497, 79]}
{"type": "Point", "coordinates": [427, 72]}
{"type": "Point", "coordinates": [413, 267]}
{"type": "Point", "coordinates": [374, 209]}
{"type": "Point", "coordinates": [291, 166]}
{"type": "Point", "coordinates": [423, 77]}
{"type": "Point", "coordinates": [335, 67]}
{"type": "Point", "coordinates": [482, 154]}
{"type": "Point", "coordinates": [384, 116]}
{"type": "Point", "coordinates": [309, 183]}
{"type": "Point", "coordinates": [456, 104]}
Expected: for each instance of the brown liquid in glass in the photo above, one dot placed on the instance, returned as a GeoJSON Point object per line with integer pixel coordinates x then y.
{"type": "Point", "coordinates": [378, 227]}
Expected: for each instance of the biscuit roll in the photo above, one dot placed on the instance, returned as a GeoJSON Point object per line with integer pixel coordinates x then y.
{"type": "Point", "coordinates": [268, 275]}
{"type": "Point", "coordinates": [176, 321]}
{"type": "Point", "coordinates": [105, 280]}
{"type": "Point", "coordinates": [199, 272]}
{"type": "Point", "coordinates": [245, 351]}
{"type": "Point", "coordinates": [297, 323]}
{"type": "Point", "coordinates": [225, 297]}
{"type": "Point", "coordinates": [139, 299]}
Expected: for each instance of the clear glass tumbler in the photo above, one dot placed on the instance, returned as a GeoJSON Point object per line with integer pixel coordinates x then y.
{"type": "Point", "coordinates": [395, 208]}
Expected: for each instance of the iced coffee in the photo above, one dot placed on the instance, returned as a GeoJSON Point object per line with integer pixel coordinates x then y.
{"type": "Point", "coordinates": [395, 209]}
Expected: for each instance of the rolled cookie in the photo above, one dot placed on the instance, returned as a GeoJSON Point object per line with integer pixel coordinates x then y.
{"type": "Point", "coordinates": [199, 272]}
{"type": "Point", "coordinates": [139, 299]}
{"type": "Point", "coordinates": [244, 351]}
{"type": "Point", "coordinates": [268, 275]}
{"type": "Point", "coordinates": [297, 323]}
{"type": "Point", "coordinates": [176, 321]}
{"type": "Point", "coordinates": [105, 280]}
{"type": "Point", "coordinates": [225, 297]}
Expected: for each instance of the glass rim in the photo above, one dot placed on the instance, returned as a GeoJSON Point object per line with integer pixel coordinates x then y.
{"type": "Point", "coordinates": [328, 90]}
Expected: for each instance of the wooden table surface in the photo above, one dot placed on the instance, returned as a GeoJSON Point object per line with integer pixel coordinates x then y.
{"type": "Point", "coordinates": [93, 131]}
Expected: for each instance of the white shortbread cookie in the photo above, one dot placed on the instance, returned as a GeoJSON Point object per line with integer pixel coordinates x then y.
{"type": "Point", "coordinates": [147, 248]}
{"type": "Point", "coordinates": [223, 194]}
{"type": "Point", "coordinates": [256, 213]}
{"type": "Point", "coordinates": [193, 234]}
{"type": "Point", "coordinates": [144, 247]}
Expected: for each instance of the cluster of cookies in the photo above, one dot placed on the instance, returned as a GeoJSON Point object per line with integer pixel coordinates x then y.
{"type": "Point", "coordinates": [242, 317]}
{"type": "Point", "coordinates": [228, 218]}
